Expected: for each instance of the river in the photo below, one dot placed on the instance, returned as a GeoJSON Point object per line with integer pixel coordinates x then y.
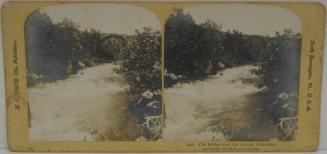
{"type": "Point", "coordinates": [225, 106]}
{"type": "Point", "coordinates": [92, 102]}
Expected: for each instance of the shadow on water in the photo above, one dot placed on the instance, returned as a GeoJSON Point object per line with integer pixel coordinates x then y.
{"type": "Point", "coordinates": [250, 121]}
{"type": "Point", "coordinates": [121, 123]}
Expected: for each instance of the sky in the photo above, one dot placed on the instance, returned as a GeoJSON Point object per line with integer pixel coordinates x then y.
{"type": "Point", "coordinates": [124, 19]}
{"type": "Point", "coordinates": [108, 18]}
{"type": "Point", "coordinates": [248, 18]}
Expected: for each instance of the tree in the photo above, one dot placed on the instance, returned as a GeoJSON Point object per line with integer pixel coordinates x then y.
{"type": "Point", "coordinates": [141, 63]}
{"type": "Point", "coordinates": [36, 27]}
{"type": "Point", "coordinates": [53, 49]}
{"type": "Point", "coordinates": [191, 50]}
{"type": "Point", "coordinates": [280, 62]}
{"type": "Point", "coordinates": [179, 44]}
{"type": "Point", "coordinates": [63, 54]}
{"type": "Point", "coordinates": [88, 41]}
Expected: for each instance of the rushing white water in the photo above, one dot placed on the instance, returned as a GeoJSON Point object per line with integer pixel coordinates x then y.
{"type": "Point", "coordinates": [94, 102]}
{"type": "Point", "coordinates": [74, 108]}
{"type": "Point", "coordinates": [193, 109]}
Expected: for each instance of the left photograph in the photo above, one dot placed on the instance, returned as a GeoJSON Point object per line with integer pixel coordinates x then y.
{"type": "Point", "coordinates": [94, 73]}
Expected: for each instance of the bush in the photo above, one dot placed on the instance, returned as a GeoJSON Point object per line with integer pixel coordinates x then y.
{"type": "Point", "coordinates": [141, 62]}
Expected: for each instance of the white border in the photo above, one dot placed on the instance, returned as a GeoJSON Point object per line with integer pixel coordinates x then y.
{"type": "Point", "coordinates": [323, 129]}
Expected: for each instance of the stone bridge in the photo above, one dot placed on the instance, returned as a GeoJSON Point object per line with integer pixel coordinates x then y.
{"type": "Point", "coordinates": [112, 44]}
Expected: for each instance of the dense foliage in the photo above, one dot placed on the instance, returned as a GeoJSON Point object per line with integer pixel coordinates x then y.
{"type": "Point", "coordinates": [280, 62]}
{"type": "Point", "coordinates": [141, 64]}
{"type": "Point", "coordinates": [190, 49]}
{"type": "Point", "coordinates": [197, 50]}
{"type": "Point", "coordinates": [57, 50]}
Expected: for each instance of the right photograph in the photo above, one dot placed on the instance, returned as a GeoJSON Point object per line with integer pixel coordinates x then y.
{"type": "Point", "coordinates": [231, 72]}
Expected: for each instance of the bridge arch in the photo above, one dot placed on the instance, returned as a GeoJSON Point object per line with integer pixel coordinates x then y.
{"type": "Point", "coordinates": [113, 41]}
